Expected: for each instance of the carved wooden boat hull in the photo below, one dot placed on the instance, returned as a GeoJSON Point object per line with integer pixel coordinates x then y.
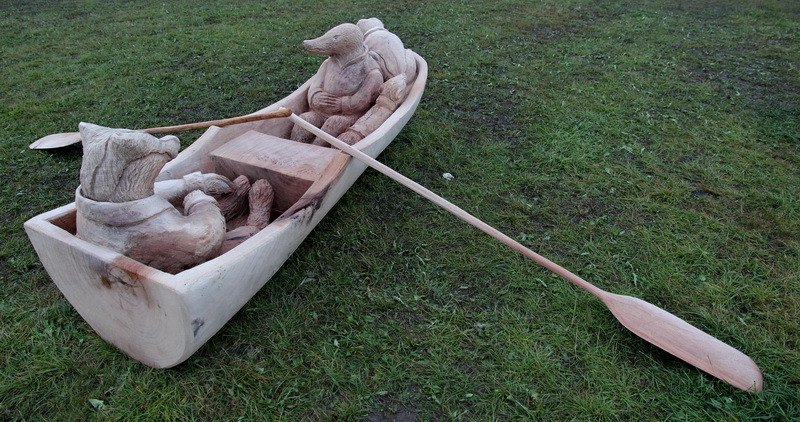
{"type": "Point", "coordinates": [161, 319]}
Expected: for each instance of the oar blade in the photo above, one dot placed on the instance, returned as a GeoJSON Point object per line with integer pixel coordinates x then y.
{"type": "Point", "coordinates": [56, 140]}
{"type": "Point", "coordinates": [686, 341]}
{"type": "Point", "coordinates": [650, 322]}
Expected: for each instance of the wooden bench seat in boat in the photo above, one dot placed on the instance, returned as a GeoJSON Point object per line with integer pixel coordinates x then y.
{"type": "Point", "coordinates": [291, 167]}
{"type": "Point", "coordinates": [161, 319]}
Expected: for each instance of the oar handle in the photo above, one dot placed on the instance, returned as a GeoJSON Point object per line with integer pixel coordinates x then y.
{"type": "Point", "coordinates": [450, 207]}
{"type": "Point", "coordinates": [281, 112]}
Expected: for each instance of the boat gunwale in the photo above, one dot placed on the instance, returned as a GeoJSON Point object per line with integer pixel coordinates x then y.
{"type": "Point", "coordinates": [175, 281]}
{"type": "Point", "coordinates": [253, 244]}
{"type": "Point", "coordinates": [184, 288]}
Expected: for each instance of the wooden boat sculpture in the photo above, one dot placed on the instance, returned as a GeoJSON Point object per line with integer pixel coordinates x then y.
{"type": "Point", "coordinates": [161, 319]}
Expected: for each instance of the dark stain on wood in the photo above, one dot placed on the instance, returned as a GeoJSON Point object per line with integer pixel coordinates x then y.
{"type": "Point", "coordinates": [307, 201]}
{"type": "Point", "coordinates": [130, 275]}
{"type": "Point", "coordinates": [197, 323]}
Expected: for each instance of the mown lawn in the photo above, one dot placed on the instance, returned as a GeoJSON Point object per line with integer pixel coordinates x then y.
{"type": "Point", "coordinates": [653, 148]}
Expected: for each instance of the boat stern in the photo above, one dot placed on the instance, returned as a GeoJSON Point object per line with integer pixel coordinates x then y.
{"type": "Point", "coordinates": [127, 303]}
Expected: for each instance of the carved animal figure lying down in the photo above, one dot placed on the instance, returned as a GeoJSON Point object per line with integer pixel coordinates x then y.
{"type": "Point", "coordinates": [119, 205]}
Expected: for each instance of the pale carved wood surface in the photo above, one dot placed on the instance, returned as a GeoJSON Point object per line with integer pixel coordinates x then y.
{"type": "Point", "coordinates": [388, 50]}
{"type": "Point", "coordinates": [291, 167]}
{"type": "Point", "coordinates": [646, 320]}
{"type": "Point", "coordinates": [392, 94]}
{"type": "Point", "coordinates": [344, 87]}
{"type": "Point", "coordinates": [118, 208]}
{"type": "Point", "coordinates": [171, 225]}
{"type": "Point", "coordinates": [161, 319]}
{"type": "Point", "coordinates": [58, 140]}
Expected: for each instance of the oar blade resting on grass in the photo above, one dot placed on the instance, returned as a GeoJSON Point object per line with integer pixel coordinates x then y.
{"type": "Point", "coordinates": [56, 140]}
{"type": "Point", "coordinates": [648, 321]}
{"type": "Point", "coordinates": [685, 341]}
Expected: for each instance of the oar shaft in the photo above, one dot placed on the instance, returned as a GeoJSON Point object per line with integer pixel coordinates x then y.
{"type": "Point", "coordinates": [646, 320]}
{"type": "Point", "coordinates": [58, 140]}
{"type": "Point", "coordinates": [281, 112]}
{"type": "Point", "coordinates": [450, 207]}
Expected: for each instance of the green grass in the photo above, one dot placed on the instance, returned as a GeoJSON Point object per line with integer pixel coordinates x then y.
{"type": "Point", "coordinates": [651, 147]}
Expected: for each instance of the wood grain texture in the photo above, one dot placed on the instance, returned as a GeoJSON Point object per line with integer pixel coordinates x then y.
{"type": "Point", "coordinates": [685, 341]}
{"type": "Point", "coordinates": [290, 167]}
{"type": "Point", "coordinates": [344, 87]}
{"type": "Point", "coordinates": [388, 50]}
{"type": "Point", "coordinates": [161, 319]}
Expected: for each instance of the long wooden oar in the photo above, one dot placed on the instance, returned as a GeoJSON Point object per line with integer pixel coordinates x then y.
{"type": "Point", "coordinates": [644, 319]}
{"type": "Point", "coordinates": [58, 140]}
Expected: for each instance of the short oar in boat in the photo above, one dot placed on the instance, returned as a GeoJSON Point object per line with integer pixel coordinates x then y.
{"type": "Point", "coordinates": [58, 140]}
